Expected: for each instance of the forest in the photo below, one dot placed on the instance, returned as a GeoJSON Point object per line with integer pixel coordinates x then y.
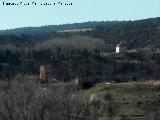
{"type": "Point", "coordinates": [72, 54]}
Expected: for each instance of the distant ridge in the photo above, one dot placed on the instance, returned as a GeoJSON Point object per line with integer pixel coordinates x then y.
{"type": "Point", "coordinates": [138, 33]}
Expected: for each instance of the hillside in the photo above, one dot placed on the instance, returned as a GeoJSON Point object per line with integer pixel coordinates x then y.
{"type": "Point", "coordinates": [75, 49]}
{"type": "Point", "coordinates": [44, 32]}
{"type": "Point", "coordinates": [75, 42]}
{"type": "Point", "coordinates": [136, 34]}
{"type": "Point", "coordinates": [126, 101]}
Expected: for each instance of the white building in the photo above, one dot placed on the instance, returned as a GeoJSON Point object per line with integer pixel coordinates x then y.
{"type": "Point", "coordinates": [121, 48]}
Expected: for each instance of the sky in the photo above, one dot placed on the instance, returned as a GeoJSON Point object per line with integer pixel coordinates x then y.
{"type": "Point", "coordinates": [80, 11]}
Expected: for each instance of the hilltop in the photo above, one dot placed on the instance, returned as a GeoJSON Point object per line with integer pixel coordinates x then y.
{"type": "Point", "coordinates": [136, 34]}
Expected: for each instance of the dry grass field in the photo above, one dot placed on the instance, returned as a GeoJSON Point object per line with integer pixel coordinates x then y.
{"type": "Point", "coordinates": [130, 101]}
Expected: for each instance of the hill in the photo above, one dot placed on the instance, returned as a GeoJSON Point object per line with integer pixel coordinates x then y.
{"type": "Point", "coordinates": [44, 32]}
{"type": "Point", "coordinates": [22, 52]}
{"type": "Point", "coordinates": [136, 34]}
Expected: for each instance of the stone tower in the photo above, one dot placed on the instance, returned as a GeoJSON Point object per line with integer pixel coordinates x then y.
{"type": "Point", "coordinates": [43, 73]}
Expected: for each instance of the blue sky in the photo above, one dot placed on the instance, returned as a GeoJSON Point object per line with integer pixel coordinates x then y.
{"type": "Point", "coordinates": [80, 11]}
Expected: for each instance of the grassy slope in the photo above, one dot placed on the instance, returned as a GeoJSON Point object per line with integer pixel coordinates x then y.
{"type": "Point", "coordinates": [132, 100]}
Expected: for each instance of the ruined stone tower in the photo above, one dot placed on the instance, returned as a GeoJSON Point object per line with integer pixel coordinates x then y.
{"type": "Point", "coordinates": [43, 74]}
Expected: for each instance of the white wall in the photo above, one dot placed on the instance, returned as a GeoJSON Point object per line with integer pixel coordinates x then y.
{"type": "Point", "coordinates": [117, 49]}
{"type": "Point", "coordinates": [121, 49]}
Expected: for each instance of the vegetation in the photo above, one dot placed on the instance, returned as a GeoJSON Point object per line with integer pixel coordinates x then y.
{"type": "Point", "coordinates": [28, 100]}
{"type": "Point", "coordinates": [136, 34]}
{"type": "Point", "coordinates": [83, 54]}
{"type": "Point", "coordinates": [68, 63]}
